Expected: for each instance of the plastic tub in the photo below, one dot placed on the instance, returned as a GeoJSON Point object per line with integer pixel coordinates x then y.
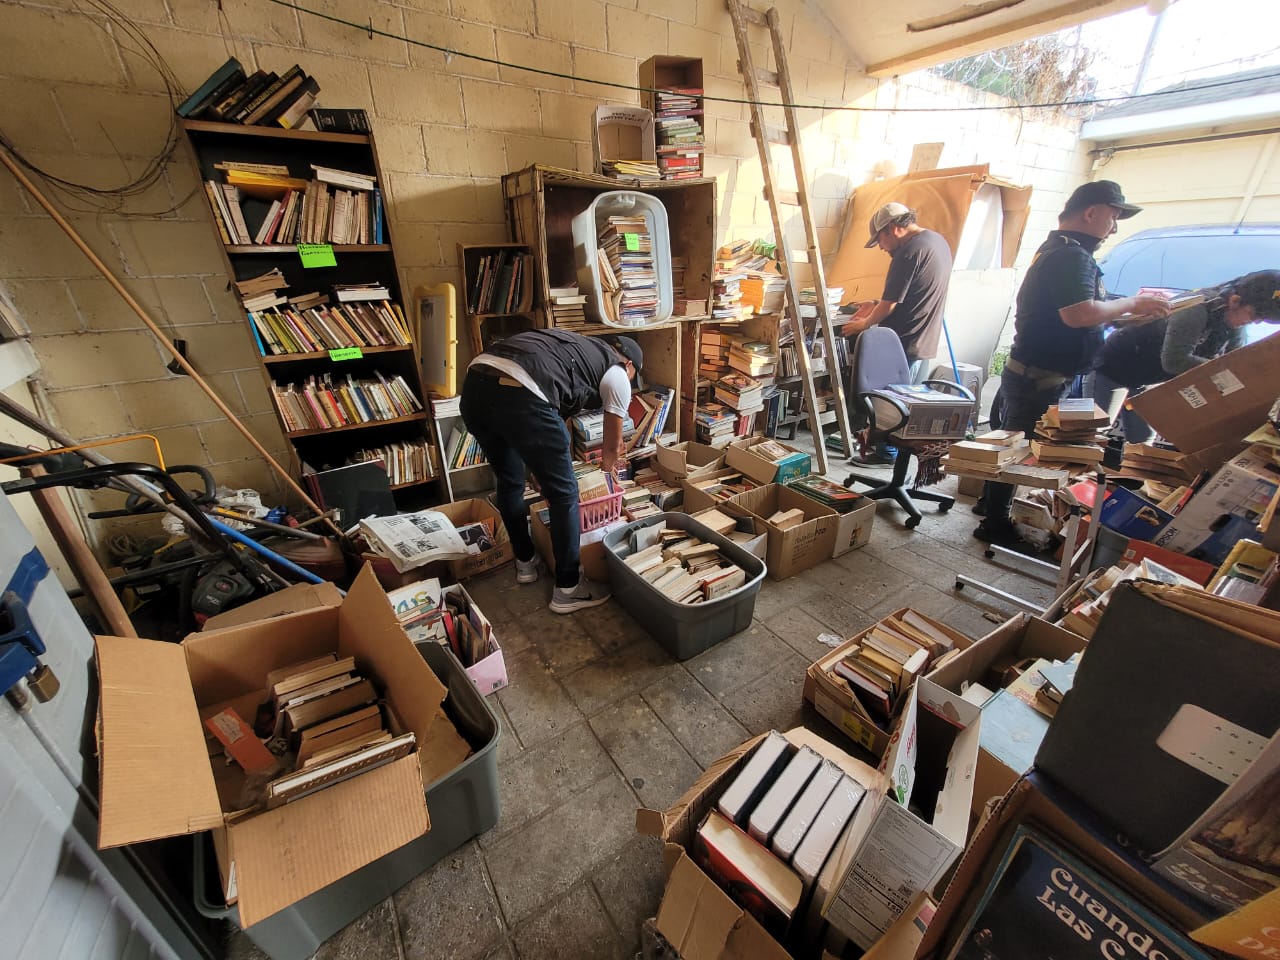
{"type": "Point", "coordinates": [683, 630]}
{"type": "Point", "coordinates": [462, 804]}
{"type": "Point", "coordinates": [586, 230]}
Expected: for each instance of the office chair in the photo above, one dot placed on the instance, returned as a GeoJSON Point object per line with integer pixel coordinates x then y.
{"type": "Point", "coordinates": [878, 362]}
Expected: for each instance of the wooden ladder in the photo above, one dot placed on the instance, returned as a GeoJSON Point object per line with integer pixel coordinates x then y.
{"type": "Point", "coordinates": [765, 135]}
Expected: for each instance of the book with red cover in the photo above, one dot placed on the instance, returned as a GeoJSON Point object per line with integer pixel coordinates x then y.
{"type": "Point", "coordinates": [756, 879]}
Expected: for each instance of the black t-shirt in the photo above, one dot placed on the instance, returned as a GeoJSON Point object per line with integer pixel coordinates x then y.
{"type": "Point", "coordinates": [917, 283]}
{"type": "Point", "coordinates": [1062, 274]}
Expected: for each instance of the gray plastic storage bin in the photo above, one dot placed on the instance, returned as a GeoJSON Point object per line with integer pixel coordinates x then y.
{"type": "Point", "coordinates": [684, 630]}
{"type": "Point", "coordinates": [462, 804]}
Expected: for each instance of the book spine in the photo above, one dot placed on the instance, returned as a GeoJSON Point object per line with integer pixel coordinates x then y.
{"type": "Point", "coordinates": [227, 79]}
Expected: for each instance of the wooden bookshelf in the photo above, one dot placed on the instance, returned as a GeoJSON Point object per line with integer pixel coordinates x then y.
{"type": "Point", "coordinates": [356, 263]}
{"type": "Point", "coordinates": [483, 327]}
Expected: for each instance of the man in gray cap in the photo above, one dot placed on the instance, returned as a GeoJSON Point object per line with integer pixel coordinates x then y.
{"type": "Point", "coordinates": [1060, 312]}
{"type": "Point", "coordinates": [515, 401]}
{"type": "Point", "coordinates": [915, 291]}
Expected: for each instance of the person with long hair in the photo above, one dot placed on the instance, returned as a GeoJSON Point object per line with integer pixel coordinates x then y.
{"type": "Point", "coordinates": [1211, 323]}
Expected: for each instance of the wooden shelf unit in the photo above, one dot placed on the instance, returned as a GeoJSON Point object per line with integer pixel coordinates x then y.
{"type": "Point", "coordinates": [541, 203]}
{"type": "Point", "coordinates": [484, 328]}
{"type": "Point", "coordinates": [321, 448]}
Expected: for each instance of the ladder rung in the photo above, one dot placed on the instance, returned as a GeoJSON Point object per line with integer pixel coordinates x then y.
{"type": "Point", "coordinates": [773, 134]}
{"type": "Point", "coordinates": [767, 76]}
{"type": "Point", "coordinates": [754, 16]}
{"type": "Point", "coordinates": [788, 197]}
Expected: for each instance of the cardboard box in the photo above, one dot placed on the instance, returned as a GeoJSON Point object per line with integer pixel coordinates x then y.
{"type": "Point", "coordinates": [623, 133]}
{"type": "Point", "coordinates": [1036, 800]}
{"type": "Point", "coordinates": [591, 553]}
{"type": "Point", "coordinates": [740, 456]}
{"type": "Point", "coordinates": [930, 763]}
{"type": "Point", "coordinates": [799, 547]}
{"type": "Point", "coordinates": [1022, 637]}
{"type": "Point", "coordinates": [853, 529]}
{"type": "Point", "coordinates": [292, 599]}
{"type": "Point", "coordinates": [758, 545]}
{"type": "Point", "coordinates": [699, 919]}
{"type": "Point", "coordinates": [832, 697]}
{"type": "Point", "coordinates": [674, 462]}
{"type": "Point", "coordinates": [695, 500]}
{"type": "Point", "coordinates": [970, 486]}
{"type": "Point", "coordinates": [473, 511]}
{"type": "Point", "coordinates": [269, 859]}
{"type": "Point", "coordinates": [1224, 398]}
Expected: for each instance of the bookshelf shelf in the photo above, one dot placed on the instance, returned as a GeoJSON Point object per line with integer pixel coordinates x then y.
{"type": "Point", "coordinates": [276, 248]}
{"type": "Point", "coordinates": [273, 151]}
{"type": "Point", "coordinates": [324, 355]}
{"type": "Point", "coordinates": [412, 418]}
{"type": "Point", "coordinates": [483, 327]}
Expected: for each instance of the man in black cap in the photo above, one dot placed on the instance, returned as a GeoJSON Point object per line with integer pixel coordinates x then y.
{"type": "Point", "coordinates": [515, 400]}
{"type": "Point", "coordinates": [915, 292]}
{"type": "Point", "coordinates": [1061, 310]}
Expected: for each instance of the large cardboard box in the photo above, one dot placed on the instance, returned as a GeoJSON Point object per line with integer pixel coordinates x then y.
{"type": "Point", "coordinates": [832, 697]}
{"type": "Point", "coordinates": [474, 511]}
{"type": "Point", "coordinates": [1022, 637]}
{"type": "Point", "coordinates": [741, 456]}
{"type": "Point", "coordinates": [797, 548]}
{"type": "Point", "coordinates": [930, 763]}
{"type": "Point", "coordinates": [623, 133]}
{"type": "Point", "coordinates": [853, 529]}
{"type": "Point", "coordinates": [673, 462]}
{"type": "Point", "coordinates": [1224, 398]}
{"type": "Point", "coordinates": [292, 599]}
{"type": "Point", "coordinates": [695, 500]}
{"type": "Point", "coordinates": [161, 776]}
{"type": "Point", "coordinates": [591, 553]}
{"type": "Point", "coordinates": [700, 920]}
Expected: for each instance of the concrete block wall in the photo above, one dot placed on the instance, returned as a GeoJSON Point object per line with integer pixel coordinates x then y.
{"type": "Point", "coordinates": [80, 101]}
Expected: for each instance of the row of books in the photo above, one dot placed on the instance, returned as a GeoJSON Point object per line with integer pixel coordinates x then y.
{"type": "Point", "coordinates": [463, 449]}
{"type": "Point", "coordinates": [774, 829]}
{"type": "Point", "coordinates": [408, 462]}
{"type": "Point", "coordinates": [678, 132]}
{"type": "Point", "coordinates": [881, 668]}
{"type": "Point", "coordinates": [499, 280]}
{"type": "Point", "coordinates": [285, 330]}
{"type": "Point", "coordinates": [323, 401]}
{"type": "Point", "coordinates": [631, 169]}
{"type": "Point", "coordinates": [261, 98]}
{"type": "Point", "coordinates": [267, 205]}
{"type": "Point", "coordinates": [627, 271]}
{"type": "Point", "coordinates": [682, 567]}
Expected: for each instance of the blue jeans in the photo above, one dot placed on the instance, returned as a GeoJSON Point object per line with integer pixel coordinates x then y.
{"type": "Point", "coordinates": [517, 430]}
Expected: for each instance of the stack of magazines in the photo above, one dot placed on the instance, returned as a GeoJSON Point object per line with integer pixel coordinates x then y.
{"type": "Point", "coordinates": [628, 275]}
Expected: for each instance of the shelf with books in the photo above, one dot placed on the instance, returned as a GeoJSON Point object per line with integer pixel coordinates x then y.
{"type": "Point", "coordinates": [672, 90]}
{"type": "Point", "coordinates": [320, 305]}
{"type": "Point", "coordinates": [472, 475]}
{"type": "Point", "coordinates": [496, 291]}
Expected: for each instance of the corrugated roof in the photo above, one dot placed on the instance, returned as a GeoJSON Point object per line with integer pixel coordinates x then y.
{"type": "Point", "coordinates": [1192, 93]}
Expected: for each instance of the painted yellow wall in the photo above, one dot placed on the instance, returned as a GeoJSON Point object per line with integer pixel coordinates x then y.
{"type": "Point", "coordinates": [79, 101]}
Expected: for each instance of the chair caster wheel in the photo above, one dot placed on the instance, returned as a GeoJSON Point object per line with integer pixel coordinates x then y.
{"type": "Point", "coordinates": [912, 522]}
{"type": "Point", "coordinates": [944, 507]}
{"type": "Point", "coordinates": [959, 585]}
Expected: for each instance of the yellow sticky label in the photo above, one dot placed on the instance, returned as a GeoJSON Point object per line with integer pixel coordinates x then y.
{"type": "Point", "coordinates": [346, 353]}
{"type": "Point", "coordinates": [317, 255]}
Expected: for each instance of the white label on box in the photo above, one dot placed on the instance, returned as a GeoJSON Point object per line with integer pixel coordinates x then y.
{"type": "Point", "coordinates": [1195, 399]}
{"type": "Point", "coordinates": [899, 857]}
{"type": "Point", "coordinates": [1210, 744]}
{"type": "Point", "coordinates": [1226, 382]}
{"type": "Point", "coordinates": [229, 724]}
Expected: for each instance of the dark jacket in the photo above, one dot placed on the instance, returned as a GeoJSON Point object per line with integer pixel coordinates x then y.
{"type": "Point", "coordinates": [566, 366]}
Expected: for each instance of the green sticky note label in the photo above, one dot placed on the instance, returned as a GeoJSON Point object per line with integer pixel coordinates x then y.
{"type": "Point", "coordinates": [346, 353]}
{"type": "Point", "coordinates": [317, 255]}
{"type": "Point", "coordinates": [632, 240]}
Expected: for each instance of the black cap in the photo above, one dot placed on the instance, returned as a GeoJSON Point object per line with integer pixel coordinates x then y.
{"type": "Point", "coordinates": [1100, 191]}
{"type": "Point", "coordinates": [628, 348]}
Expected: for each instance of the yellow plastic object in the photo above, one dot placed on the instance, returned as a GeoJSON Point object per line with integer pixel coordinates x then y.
{"type": "Point", "coordinates": [435, 313]}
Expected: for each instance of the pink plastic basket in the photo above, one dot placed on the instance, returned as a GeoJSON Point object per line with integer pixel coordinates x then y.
{"type": "Point", "coordinates": [596, 513]}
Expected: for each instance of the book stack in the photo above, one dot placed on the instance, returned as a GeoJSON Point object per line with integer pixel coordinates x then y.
{"type": "Point", "coordinates": [809, 301]}
{"type": "Point", "coordinates": [987, 454]}
{"type": "Point", "coordinates": [631, 169]}
{"type": "Point", "coordinates": [1148, 461]}
{"type": "Point", "coordinates": [462, 449]}
{"type": "Point", "coordinates": [627, 271]}
{"type": "Point", "coordinates": [330, 717]}
{"type": "Point", "coordinates": [498, 284]}
{"type": "Point", "coordinates": [838, 498]}
{"type": "Point", "coordinates": [726, 298]}
{"type": "Point", "coordinates": [881, 668]}
{"type": "Point", "coordinates": [753, 358]}
{"type": "Point", "coordinates": [763, 292]}
{"type": "Point", "coordinates": [724, 486]}
{"type": "Point", "coordinates": [713, 353]}
{"type": "Point", "coordinates": [258, 99]}
{"type": "Point", "coordinates": [409, 462]}
{"type": "Point", "coordinates": [774, 828]}
{"type": "Point", "coordinates": [1068, 433]}
{"type": "Point", "coordinates": [568, 308]}
{"type": "Point", "coordinates": [661, 493]}
{"type": "Point", "coordinates": [714, 424]}
{"type": "Point", "coordinates": [741, 392]}
{"type": "Point", "coordinates": [1082, 611]}
{"type": "Point", "coordinates": [263, 291]}
{"type": "Point", "coordinates": [264, 203]}
{"type": "Point", "coordinates": [637, 503]}
{"type": "Point", "coordinates": [649, 411]}
{"type": "Point", "coordinates": [682, 567]}
{"type": "Point", "coordinates": [678, 130]}
{"type": "Point", "coordinates": [588, 434]}
{"type": "Point", "coordinates": [322, 402]}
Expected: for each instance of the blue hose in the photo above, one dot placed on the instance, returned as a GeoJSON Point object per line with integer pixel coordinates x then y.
{"type": "Point", "coordinates": [271, 555]}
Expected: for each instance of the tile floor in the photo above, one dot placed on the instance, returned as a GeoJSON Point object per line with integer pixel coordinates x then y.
{"type": "Point", "coordinates": [599, 720]}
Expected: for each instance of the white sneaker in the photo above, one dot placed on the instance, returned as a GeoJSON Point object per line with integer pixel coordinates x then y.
{"type": "Point", "coordinates": [527, 570]}
{"type": "Point", "coordinates": [588, 593]}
